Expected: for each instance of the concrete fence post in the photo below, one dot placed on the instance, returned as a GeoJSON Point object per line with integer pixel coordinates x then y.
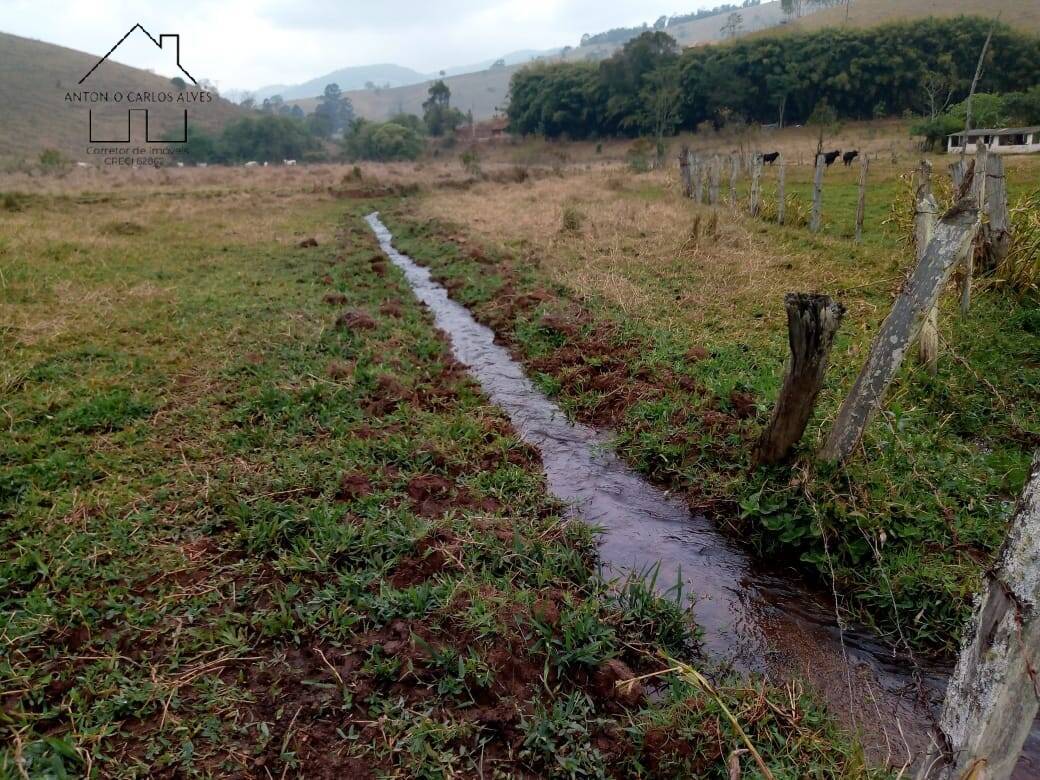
{"type": "Point", "coordinates": [926, 212]}
{"type": "Point", "coordinates": [713, 189]}
{"type": "Point", "coordinates": [817, 195]}
{"type": "Point", "coordinates": [979, 188]}
{"type": "Point", "coordinates": [734, 162]}
{"type": "Point", "coordinates": [995, 234]}
{"type": "Point", "coordinates": [861, 203]}
{"type": "Point", "coordinates": [756, 186]}
{"type": "Point", "coordinates": [684, 172]}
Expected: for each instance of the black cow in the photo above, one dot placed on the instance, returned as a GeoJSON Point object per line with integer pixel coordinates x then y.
{"type": "Point", "coordinates": [830, 157]}
{"type": "Point", "coordinates": [770, 158]}
{"type": "Point", "coordinates": [848, 157]}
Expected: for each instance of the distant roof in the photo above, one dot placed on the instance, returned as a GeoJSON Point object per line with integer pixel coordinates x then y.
{"type": "Point", "coordinates": [1001, 131]}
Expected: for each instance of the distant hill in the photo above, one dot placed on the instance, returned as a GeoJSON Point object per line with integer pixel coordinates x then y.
{"type": "Point", "coordinates": [482, 93]}
{"type": "Point", "coordinates": [34, 78]}
{"type": "Point", "coordinates": [701, 31]}
{"type": "Point", "coordinates": [347, 78]}
{"type": "Point", "coordinates": [355, 78]}
{"type": "Point", "coordinates": [1021, 15]}
{"type": "Point", "coordinates": [485, 92]}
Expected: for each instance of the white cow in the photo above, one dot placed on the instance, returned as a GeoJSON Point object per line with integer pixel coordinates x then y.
{"type": "Point", "coordinates": [201, 164]}
{"type": "Point", "coordinates": [252, 164]}
{"type": "Point", "coordinates": [288, 162]}
{"type": "Point", "coordinates": [82, 165]}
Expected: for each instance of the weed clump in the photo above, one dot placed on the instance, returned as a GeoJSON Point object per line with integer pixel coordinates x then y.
{"type": "Point", "coordinates": [122, 228]}
{"type": "Point", "coordinates": [571, 220]}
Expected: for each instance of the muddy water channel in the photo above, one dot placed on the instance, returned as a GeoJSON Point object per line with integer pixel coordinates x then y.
{"type": "Point", "coordinates": [754, 619]}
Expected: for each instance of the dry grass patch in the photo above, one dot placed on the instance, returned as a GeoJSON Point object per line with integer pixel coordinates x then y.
{"type": "Point", "coordinates": [645, 250]}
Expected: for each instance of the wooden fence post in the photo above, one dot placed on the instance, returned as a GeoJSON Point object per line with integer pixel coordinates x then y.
{"type": "Point", "coordinates": [713, 190]}
{"type": "Point", "coordinates": [733, 173]}
{"type": "Point", "coordinates": [957, 174]}
{"type": "Point", "coordinates": [996, 237]}
{"type": "Point", "coordinates": [992, 697]}
{"type": "Point", "coordinates": [812, 322]}
{"type": "Point", "coordinates": [698, 181]}
{"type": "Point", "coordinates": [684, 172]}
{"type": "Point", "coordinates": [756, 186]}
{"type": "Point", "coordinates": [925, 214]}
{"type": "Point", "coordinates": [781, 201]}
{"type": "Point", "coordinates": [979, 186]}
{"type": "Point", "coordinates": [817, 195]}
{"type": "Point", "coordinates": [951, 241]}
{"type": "Point", "coordinates": [861, 204]}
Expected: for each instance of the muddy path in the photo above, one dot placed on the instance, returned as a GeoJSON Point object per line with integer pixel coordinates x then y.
{"type": "Point", "coordinates": [754, 619]}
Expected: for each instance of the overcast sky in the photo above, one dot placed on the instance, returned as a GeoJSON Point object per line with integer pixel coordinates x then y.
{"type": "Point", "coordinates": [250, 43]}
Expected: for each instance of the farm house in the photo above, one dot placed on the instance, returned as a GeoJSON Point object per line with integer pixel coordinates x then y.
{"type": "Point", "coordinates": [1010, 140]}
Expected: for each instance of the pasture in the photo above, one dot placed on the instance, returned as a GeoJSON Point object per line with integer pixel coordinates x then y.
{"type": "Point", "coordinates": [258, 523]}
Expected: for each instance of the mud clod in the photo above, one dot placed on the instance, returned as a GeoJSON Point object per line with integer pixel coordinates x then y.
{"type": "Point", "coordinates": [355, 319]}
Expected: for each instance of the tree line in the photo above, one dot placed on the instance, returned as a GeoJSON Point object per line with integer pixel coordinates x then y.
{"type": "Point", "coordinates": [650, 87]}
{"type": "Point", "coordinates": [275, 131]}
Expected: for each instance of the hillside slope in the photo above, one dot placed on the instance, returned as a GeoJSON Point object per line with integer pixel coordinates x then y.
{"type": "Point", "coordinates": [1021, 15]}
{"type": "Point", "coordinates": [34, 79]}
{"type": "Point", "coordinates": [482, 93]}
{"type": "Point", "coordinates": [350, 78]}
{"type": "Point", "coordinates": [486, 92]}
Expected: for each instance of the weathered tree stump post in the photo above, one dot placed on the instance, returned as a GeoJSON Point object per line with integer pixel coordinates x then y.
{"type": "Point", "coordinates": [925, 214]}
{"type": "Point", "coordinates": [698, 181]}
{"type": "Point", "coordinates": [733, 173]}
{"type": "Point", "coordinates": [817, 195]}
{"type": "Point", "coordinates": [992, 697]}
{"type": "Point", "coordinates": [781, 200]}
{"type": "Point", "coordinates": [756, 186]}
{"type": "Point", "coordinates": [995, 235]}
{"type": "Point", "coordinates": [979, 186]}
{"type": "Point", "coordinates": [861, 204]}
{"type": "Point", "coordinates": [713, 190]}
{"type": "Point", "coordinates": [684, 172]}
{"type": "Point", "coordinates": [951, 241]}
{"type": "Point", "coordinates": [812, 322]}
{"type": "Point", "coordinates": [957, 174]}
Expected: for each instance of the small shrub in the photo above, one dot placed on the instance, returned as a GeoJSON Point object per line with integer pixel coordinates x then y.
{"type": "Point", "coordinates": [640, 155]}
{"type": "Point", "coordinates": [52, 158]}
{"type": "Point", "coordinates": [571, 220]}
{"type": "Point", "coordinates": [12, 201]}
{"type": "Point", "coordinates": [124, 228]}
{"type": "Point", "coordinates": [470, 160]}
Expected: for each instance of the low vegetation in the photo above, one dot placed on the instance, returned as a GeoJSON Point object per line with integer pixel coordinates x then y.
{"type": "Point", "coordinates": [257, 521]}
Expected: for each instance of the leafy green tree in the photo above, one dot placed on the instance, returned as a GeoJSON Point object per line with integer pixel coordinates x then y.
{"type": "Point", "coordinates": [382, 141]}
{"type": "Point", "coordinates": [439, 116]}
{"type": "Point", "coordinates": [333, 114]}
{"type": "Point", "coordinates": [1023, 108]}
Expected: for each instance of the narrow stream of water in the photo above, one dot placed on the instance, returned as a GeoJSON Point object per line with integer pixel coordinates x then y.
{"type": "Point", "coordinates": [753, 619]}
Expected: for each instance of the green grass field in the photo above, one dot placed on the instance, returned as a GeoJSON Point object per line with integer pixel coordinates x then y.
{"type": "Point", "coordinates": [257, 523]}
{"type": "Point", "coordinates": [635, 312]}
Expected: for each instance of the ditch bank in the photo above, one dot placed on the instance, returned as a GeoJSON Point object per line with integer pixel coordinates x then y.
{"type": "Point", "coordinates": [755, 620]}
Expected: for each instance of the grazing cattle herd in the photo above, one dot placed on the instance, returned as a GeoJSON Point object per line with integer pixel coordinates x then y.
{"type": "Point", "coordinates": [828, 157]}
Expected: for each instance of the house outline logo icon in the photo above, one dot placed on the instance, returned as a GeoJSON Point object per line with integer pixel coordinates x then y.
{"type": "Point", "coordinates": [163, 37]}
